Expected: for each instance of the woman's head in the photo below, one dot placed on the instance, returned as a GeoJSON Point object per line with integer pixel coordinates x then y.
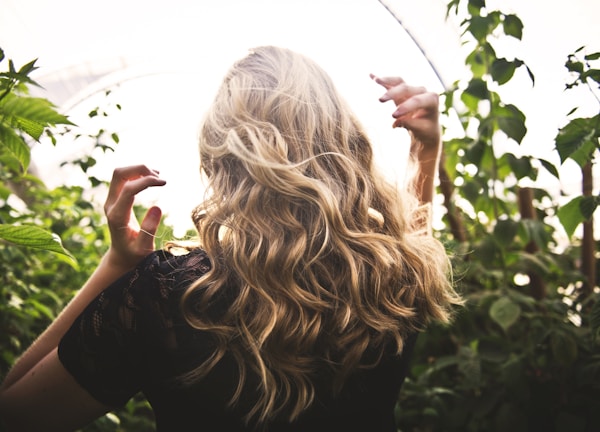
{"type": "Point", "coordinates": [278, 110]}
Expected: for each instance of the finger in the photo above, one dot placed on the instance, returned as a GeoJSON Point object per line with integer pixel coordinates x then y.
{"type": "Point", "coordinates": [118, 211]}
{"type": "Point", "coordinates": [426, 102]}
{"type": "Point", "coordinates": [124, 174]}
{"type": "Point", "coordinates": [387, 82]}
{"type": "Point", "coordinates": [148, 228]}
{"type": "Point", "coordinates": [401, 92]}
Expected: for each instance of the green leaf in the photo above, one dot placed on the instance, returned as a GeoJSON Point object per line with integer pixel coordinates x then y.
{"type": "Point", "coordinates": [505, 312]}
{"type": "Point", "coordinates": [570, 215]}
{"type": "Point", "coordinates": [15, 145]}
{"type": "Point", "coordinates": [503, 70]}
{"type": "Point", "coordinates": [41, 308]}
{"type": "Point", "coordinates": [593, 56]}
{"type": "Point", "coordinates": [478, 88]}
{"type": "Point", "coordinates": [513, 26]}
{"type": "Point", "coordinates": [476, 61]}
{"type": "Point", "coordinates": [593, 74]}
{"type": "Point", "coordinates": [482, 26]}
{"type": "Point", "coordinates": [511, 121]}
{"type": "Point", "coordinates": [28, 68]}
{"type": "Point", "coordinates": [578, 138]}
{"type": "Point", "coordinates": [521, 167]}
{"type": "Point", "coordinates": [28, 110]}
{"type": "Point", "coordinates": [550, 167]}
{"type": "Point", "coordinates": [33, 237]}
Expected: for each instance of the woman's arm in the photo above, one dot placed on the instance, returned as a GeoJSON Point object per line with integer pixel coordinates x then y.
{"type": "Point", "coordinates": [38, 383]}
{"type": "Point", "coordinates": [417, 110]}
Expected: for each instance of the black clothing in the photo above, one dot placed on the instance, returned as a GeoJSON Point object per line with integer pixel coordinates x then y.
{"type": "Point", "coordinates": [133, 338]}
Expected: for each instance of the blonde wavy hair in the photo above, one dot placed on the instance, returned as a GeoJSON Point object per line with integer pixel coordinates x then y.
{"type": "Point", "coordinates": [321, 253]}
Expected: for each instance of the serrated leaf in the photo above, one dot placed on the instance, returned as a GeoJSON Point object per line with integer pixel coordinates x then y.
{"type": "Point", "coordinates": [505, 312]}
{"type": "Point", "coordinates": [32, 128]}
{"type": "Point", "coordinates": [32, 109]}
{"type": "Point", "coordinates": [28, 68]}
{"type": "Point", "coordinates": [16, 146]}
{"type": "Point", "coordinates": [33, 237]}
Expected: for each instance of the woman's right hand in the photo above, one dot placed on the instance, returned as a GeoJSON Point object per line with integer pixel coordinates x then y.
{"type": "Point", "coordinates": [130, 240]}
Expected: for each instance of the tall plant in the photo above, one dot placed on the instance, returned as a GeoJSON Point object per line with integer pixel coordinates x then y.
{"type": "Point", "coordinates": [524, 354]}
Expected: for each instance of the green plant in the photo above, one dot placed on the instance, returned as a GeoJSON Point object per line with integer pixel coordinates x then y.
{"type": "Point", "coordinates": [22, 115]}
{"type": "Point", "coordinates": [524, 354]}
{"type": "Point", "coordinates": [50, 239]}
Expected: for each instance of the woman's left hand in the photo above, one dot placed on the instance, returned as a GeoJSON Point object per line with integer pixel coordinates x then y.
{"type": "Point", "coordinates": [130, 241]}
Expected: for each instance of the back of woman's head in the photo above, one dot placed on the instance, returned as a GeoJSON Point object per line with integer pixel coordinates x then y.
{"type": "Point", "coordinates": [316, 252]}
{"type": "Point", "coordinates": [277, 109]}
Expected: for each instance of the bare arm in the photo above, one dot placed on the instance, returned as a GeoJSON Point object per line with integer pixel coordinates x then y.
{"type": "Point", "coordinates": [38, 383]}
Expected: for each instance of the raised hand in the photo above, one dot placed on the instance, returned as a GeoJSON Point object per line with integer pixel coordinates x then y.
{"type": "Point", "coordinates": [130, 241]}
{"type": "Point", "coordinates": [417, 110]}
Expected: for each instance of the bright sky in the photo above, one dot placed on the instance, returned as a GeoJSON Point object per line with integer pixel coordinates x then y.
{"type": "Point", "coordinates": [176, 53]}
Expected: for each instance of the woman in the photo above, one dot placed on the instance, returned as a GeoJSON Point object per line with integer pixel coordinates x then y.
{"type": "Point", "coordinates": [299, 309]}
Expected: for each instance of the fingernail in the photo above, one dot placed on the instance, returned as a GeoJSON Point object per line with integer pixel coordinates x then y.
{"type": "Point", "coordinates": [384, 98]}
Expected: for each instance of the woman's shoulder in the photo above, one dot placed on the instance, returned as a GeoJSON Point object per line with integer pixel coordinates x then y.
{"type": "Point", "coordinates": [163, 272]}
{"type": "Point", "coordinates": [166, 263]}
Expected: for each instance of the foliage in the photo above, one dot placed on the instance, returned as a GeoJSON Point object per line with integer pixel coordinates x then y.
{"type": "Point", "coordinates": [50, 240]}
{"type": "Point", "coordinates": [524, 354]}
{"type": "Point", "coordinates": [20, 116]}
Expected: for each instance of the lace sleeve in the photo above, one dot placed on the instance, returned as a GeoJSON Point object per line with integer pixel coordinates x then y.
{"type": "Point", "coordinates": [107, 347]}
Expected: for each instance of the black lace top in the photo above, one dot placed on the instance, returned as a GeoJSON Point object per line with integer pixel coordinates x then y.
{"type": "Point", "coordinates": [133, 338]}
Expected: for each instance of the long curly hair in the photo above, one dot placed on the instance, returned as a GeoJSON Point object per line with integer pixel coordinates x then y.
{"type": "Point", "coordinates": [322, 255]}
